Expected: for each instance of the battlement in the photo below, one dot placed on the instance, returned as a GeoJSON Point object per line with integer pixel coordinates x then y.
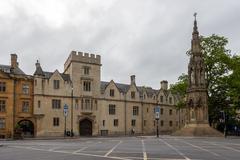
{"type": "Point", "coordinates": [82, 58]}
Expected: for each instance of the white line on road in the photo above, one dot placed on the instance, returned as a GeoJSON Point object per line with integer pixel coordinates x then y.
{"type": "Point", "coordinates": [226, 147]}
{"type": "Point", "coordinates": [111, 150]}
{"type": "Point", "coordinates": [198, 147]}
{"type": "Point", "coordinates": [175, 149]}
{"type": "Point", "coordinates": [82, 149]}
{"type": "Point", "coordinates": [144, 150]}
{"type": "Point", "coordinates": [79, 150]}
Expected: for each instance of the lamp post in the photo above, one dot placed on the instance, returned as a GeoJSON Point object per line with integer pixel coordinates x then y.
{"type": "Point", "coordinates": [72, 112]}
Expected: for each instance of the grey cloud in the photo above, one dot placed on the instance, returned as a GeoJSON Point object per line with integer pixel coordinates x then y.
{"type": "Point", "coordinates": [146, 38]}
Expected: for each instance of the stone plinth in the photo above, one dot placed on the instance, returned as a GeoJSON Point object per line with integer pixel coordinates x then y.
{"type": "Point", "coordinates": [198, 130]}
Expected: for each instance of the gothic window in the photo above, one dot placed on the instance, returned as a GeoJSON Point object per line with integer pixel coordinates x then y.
{"type": "Point", "coordinates": [56, 84]}
{"type": "Point", "coordinates": [135, 110]}
{"type": "Point", "coordinates": [2, 123]}
{"type": "Point", "coordinates": [162, 123]}
{"type": "Point", "coordinates": [56, 104]}
{"type": "Point", "coordinates": [2, 106]}
{"type": "Point", "coordinates": [87, 104]}
{"type": "Point", "coordinates": [133, 122]}
{"type": "Point", "coordinates": [115, 122]}
{"type": "Point", "coordinates": [170, 111]}
{"type": "Point", "coordinates": [86, 70]}
{"type": "Point", "coordinates": [112, 92]}
{"type": "Point", "coordinates": [56, 121]}
{"type": "Point", "coordinates": [170, 123]}
{"type": "Point", "coordinates": [133, 95]}
{"type": "Point", "coordinates": [25, 106]}
{"type": "Point", "coordinates": [87, 86]}
{"type": "Point", "coordinates": [161, 111]}
{"type": "Point", "coordinates": [2, 86]}
{"type": "Point", "coordinates": [112, 109]}
{"type": "Point", "coordinates": [39, 104]}
{"type": "Point", "coordinates": [170, 100]}
{"type": "Point", "coordinates": [161, 98]}
{"type": "Point", "coordinates": [25, 89]}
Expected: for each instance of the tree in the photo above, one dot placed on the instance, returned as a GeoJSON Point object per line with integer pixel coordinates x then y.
{"type": "Point", "coordinates": [180, 89]}
{"type": "Point", "coordinates": [222, 77]}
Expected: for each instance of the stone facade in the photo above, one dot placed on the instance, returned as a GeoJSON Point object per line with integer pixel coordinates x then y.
{"type": "Point", "coordinates": [96, 107]}
{"type": "Point", "coordinates": [16, 100]}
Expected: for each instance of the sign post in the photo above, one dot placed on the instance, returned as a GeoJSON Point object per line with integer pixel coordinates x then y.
{"type": "Point", "coordinates": [157, 116]}
{"type": "Point", "coordinates": [65, 113]}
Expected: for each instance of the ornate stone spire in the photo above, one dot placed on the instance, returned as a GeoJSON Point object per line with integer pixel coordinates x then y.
{"type": "Point", "coordinates": [196, 49]}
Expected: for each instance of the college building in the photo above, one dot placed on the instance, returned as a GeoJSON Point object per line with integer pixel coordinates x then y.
{"type": "Point", "coordinates": [35, 103]}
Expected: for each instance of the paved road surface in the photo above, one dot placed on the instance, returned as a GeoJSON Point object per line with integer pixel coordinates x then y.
{"type": "Point", "coordinates": [122, 148]}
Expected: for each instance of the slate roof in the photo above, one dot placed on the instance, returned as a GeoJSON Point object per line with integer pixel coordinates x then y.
{"type": "Point", "coordinates": [66, 77]}
{"type": "Point", "coordinates": [7, 69]}
{"type": "Point", "coordinates": [124, 88]}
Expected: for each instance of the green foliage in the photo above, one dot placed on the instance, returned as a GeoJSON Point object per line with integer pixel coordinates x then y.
{"type": "Point", "coordinates": [222, 76]}
{"type": "Point", "coordinates": [181, 86]}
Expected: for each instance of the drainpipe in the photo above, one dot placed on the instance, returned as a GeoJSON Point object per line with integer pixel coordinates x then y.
{"type": "Point", "coordinates": [72, 112]}
{"type": "Point", "coordinates": [14, 105]}
{"type": "Point", "coordinates": [125, 113]}
{"type": "Point", "coordinates": [142, 115]}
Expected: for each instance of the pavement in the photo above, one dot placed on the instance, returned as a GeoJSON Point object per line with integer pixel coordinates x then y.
{"type": "Point", "coordinates": [123, 148]}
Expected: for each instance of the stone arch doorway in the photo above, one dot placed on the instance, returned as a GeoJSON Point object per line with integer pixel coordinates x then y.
{"type": "Point", "coordinates": [27, 127]}
{"type": "Point", "coordinates": [85, 127]}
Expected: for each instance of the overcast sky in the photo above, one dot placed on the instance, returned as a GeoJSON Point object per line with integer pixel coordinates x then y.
{"type": "Point", "coordinates": [148, 38]}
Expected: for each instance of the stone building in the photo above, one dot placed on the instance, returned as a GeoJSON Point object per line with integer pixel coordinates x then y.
{"type": "Point", "coordinates": [96, 107]}
{"type": "Point", "coordinates": [16, 100]}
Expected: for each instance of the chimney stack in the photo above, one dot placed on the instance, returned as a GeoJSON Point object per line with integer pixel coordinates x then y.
{"type": "Point", "coordinates": [14, 63]}
{"type": "Point", "coordinates": [164, 85]}
{"type": "Point", "coordinates": [133, 79]}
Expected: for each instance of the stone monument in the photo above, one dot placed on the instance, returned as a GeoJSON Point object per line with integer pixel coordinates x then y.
{"type": "Point", "coordinates": [196, 101]}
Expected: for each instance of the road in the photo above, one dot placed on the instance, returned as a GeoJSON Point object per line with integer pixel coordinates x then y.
{"type": "Point", "coordinates": [122, 148]}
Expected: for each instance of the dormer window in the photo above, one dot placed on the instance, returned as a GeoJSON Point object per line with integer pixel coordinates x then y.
{"type": "Point", "coordinates": [133, 95]}
{"type": "Point", "coordinates": [56, 84]}
{"type": "Point", "coordinates": [112, 92]}
{"type": "Point", "coordinates": [170, 100]}
{"type": "Point", "coordinates": [86, 70]}
{"type": "Point", "coordinates": [161, 98]}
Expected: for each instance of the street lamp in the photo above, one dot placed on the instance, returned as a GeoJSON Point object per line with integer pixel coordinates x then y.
{"type": "Point", "coordinates": [72, 112]}
{"type": "Point", "coordinates": [157, 113]}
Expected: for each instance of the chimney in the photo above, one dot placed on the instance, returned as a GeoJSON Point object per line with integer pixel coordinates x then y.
{"type": "Point", "coordinates": [132, 79]}
{"type": "Point", "coordinates": [164, 85]}
{"type": "Point", "coordinates": [14, 63]}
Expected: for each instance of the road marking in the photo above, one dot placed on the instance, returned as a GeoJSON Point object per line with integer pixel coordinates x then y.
{"type": "Point", "coordinates": [80, 150]}
{"type": "Point", "coordinates": [144, 150]}
{"type": "Point", "coordinates": [203, 149]}
{"type": "Point", "coordinates": [230, 148]}
{"type": "Point", "coordinates": [65, 152]}
{"type": "Point", "coordinates": [54, 148]}
{"type": "Point", "coordinates": [175, 149]}
{"type": "Point", "coordinates": [111, 150]}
